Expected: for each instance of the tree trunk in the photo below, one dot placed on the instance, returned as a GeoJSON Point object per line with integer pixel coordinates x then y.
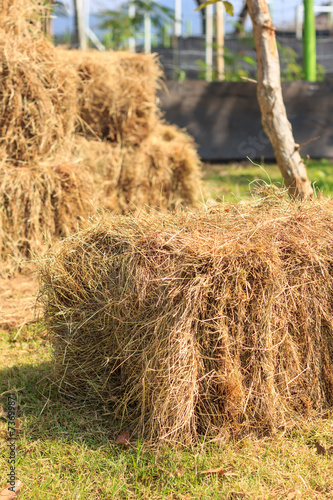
{"type": "Point", "coordinates": [76, 26]}
{"type": "Point", "coordinates": [273, 112]}
{"type": "Point", "coordinates": [220, 41]}
{"type": "Point", "coordinates": [47, 23]}
{"type": "Point", "coordinates": [203, 17]}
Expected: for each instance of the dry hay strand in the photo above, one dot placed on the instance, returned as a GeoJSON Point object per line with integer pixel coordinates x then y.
{"type": "Point", "coordinates": [20, 17]}
{"type": "Point", "coordinates": [38, 102]}
{"type": "Point", "coordinates": [174, 165]}
{"type": "Point", "coordinates": [116, 93]}
{"type": "Point", "coordinates": [38, 205]}
{"type": "Point", "coordinates": [197, 323]}
{"type": "Point", "coordinates": [163, 172]}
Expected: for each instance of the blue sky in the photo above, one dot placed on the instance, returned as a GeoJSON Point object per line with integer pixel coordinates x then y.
{"type": "Point", "coordinates": [283, 11]}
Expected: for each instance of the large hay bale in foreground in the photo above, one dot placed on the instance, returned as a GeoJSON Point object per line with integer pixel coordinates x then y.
{"type": "Point", "coordinates": [116, 94]}
{"type": "Point", "coordinates": [38, 205]}
{"type": "Point", "coordinates": [163, 172]}
{"type": "Point", "coordinates": [197, 323]}
{"type": "Point", "coordinates": [38, 103]}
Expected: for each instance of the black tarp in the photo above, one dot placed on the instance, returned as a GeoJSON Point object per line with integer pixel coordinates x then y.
{"type": "Point", "coordinates": [224, 117]}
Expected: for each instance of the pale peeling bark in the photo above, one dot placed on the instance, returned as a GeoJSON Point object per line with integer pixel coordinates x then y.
{"type": "Point", "coordinates": [273, 112]}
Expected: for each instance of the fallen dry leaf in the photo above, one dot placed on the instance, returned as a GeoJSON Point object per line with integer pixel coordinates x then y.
{"type": "Point", "coordinates": [17, 425]}
{"type": "Point", "coordinates": [234, 495]}
{"type": "Point", "coordinates": [123, 438]}
{"type": "Point", "coordinates": [218, 470]}
{"type": "Point", "coordinates": [7, 494]}
{"type": "Point", "coordinates": [3, 413]}
{"type": "Point", "coordinates": [293, 495]}
{"type": "Point", "coordinates": [319, 448]}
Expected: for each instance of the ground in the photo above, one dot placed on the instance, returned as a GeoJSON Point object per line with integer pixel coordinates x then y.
{"type": "Point", "coordinates": [234, 181]}
{"type": "Point", "coordinates": [66, 449]}
{"type": "Point", "coordinates": [17, 301]}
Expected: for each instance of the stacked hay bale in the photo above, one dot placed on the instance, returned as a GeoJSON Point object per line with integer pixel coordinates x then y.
{"type": "Point", "coordinates": [116, 94]}
{"type": "Point", "coordinates": [38, 102]}
{"type": "Point", "coordinates": [142, 161]}
{"type": "Point", "coordinates": [43, 193]}
{"type": "Point", "coordinates": [162, 172]}
{"type": "Point", "coordinates": [51, 178]}
{"type": "Point", "coordinates": [197, 323]}
{"type": "Point", "coordinates": [37, 204]}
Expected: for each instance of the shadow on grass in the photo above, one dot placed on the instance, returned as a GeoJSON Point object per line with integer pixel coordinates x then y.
{"type": "Point", "coordinates": [46, 414]}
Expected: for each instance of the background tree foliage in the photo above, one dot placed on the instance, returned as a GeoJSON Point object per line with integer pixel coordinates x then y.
{"type": "Point", "coordinates": [121, 26]}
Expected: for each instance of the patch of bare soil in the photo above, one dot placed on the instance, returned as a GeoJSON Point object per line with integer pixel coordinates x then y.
{"type": "Point", "coordinates": [17, 301]}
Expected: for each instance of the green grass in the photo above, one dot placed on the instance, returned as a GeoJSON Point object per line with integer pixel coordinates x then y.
{"type": "Point", "coordinates": [232, 182]}
{"type": "Point", "coordinates": [67, 449]}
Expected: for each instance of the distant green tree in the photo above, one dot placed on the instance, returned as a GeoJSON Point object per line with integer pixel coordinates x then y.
{"type": "Point", "coordinates": [57, 7]}
{"type": "Point", "coordinates": [235, 69]}
{"type": "Point", "coordinates": [291, 69]}
{"type": "Point", "coordinates": [120, 26]}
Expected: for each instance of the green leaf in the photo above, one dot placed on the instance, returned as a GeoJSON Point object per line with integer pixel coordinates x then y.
{"type": "Point", "coordinates": [249, 60]}
{"type": "Point", "coordinates": [229, 8]}
{"type": "Point", "coordinates": [203, 5]}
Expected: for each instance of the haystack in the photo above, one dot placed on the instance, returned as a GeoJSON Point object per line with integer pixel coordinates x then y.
{"type": "Point", "coordinates": [137, 160]}
{"type": "Point", "coordinates": [38, 102]}
{"type": "Point", "coordinates": [142, 163]}
{"type": "Point", "coordinates": [116, 93]}
{"type": "Point", "coordinates": [37, 205]}
{"type": "Point", "coordinates": [43, 193]}
{"type": "Point", "coordinates": [197, 323]}
{"type": "Point", "coordinates": [163, 172]}
{"type": "Point", "coordinates": [22, 16]}
{"type": "Point", "coordinates": [37, 99]}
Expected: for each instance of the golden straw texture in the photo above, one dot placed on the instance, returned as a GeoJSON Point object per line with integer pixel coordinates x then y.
{"type": "Point", "coordinates": [117, 94]}
{"type": "Point", "coordinates": [162, 172]}
{"type": "Point", "coordinates": [38, 205]}
{"type": "Point", "coordinates": [38, 102]}
{"type": "Point", "coordinates": [197, 323]}
{"type": "Point", "coordinates": [23, 17]}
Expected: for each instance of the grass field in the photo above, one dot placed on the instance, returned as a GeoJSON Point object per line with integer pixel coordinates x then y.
{"type": "Point", "coordinates": [66, 449]}
{"type": "Point", "coordinates": [233, 182]}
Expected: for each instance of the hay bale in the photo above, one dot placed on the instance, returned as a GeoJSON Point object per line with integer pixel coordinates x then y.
{"type": "Point", "coordinates": [164, 175]}
{"type": "Point", "coordinates": [37, 205]}
{"type": "Point", "coordinates": [43, 193]}
{"type": "Point", "coordinates": [117, 94]}
{"type": "Point", "coordinates": [163, 172]}
{"type": "Point", "coordinates": [20, 17]}
{"type": "Point", "coordinates": [197, 323]}
{"type": "Point", "coordinates": [38, 103]}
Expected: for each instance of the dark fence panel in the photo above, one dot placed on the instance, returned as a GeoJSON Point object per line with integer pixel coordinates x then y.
{"type": "Point", "coordinates": [224, 117]}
